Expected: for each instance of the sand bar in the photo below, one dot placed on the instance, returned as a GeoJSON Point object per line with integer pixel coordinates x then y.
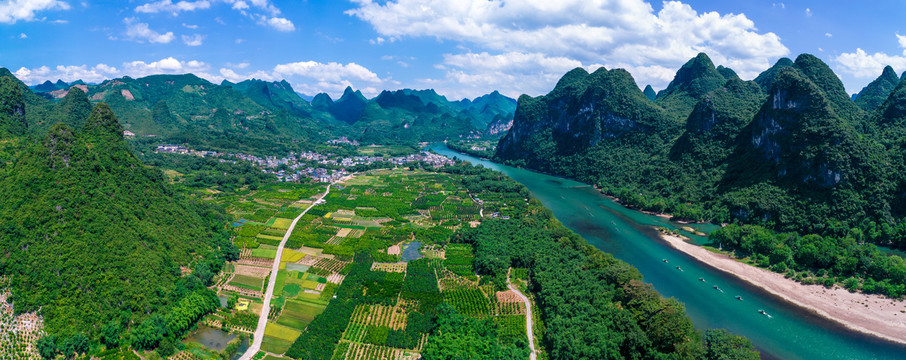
{"type": "Point", "coordinates": [882, 317]}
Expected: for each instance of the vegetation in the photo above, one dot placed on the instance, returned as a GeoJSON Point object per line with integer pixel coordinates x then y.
{"type": "Point", "coordinates": [95, 239]}
{"type": "Point", "coordinates": [800, 157]}
{"type": "Point", "coordinates": [849, 260]}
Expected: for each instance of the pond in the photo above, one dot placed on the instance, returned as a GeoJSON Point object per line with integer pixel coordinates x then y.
{"type": "Point", "coordinates": [211, 338]}
{"type": "Point", "coordinates": [410, 251]}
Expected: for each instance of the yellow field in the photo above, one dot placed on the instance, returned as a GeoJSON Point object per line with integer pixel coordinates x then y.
{"type": "Point", "coordinates": [281, 332]}
{"type": "Point", "coordinates": [281, 223]}
{"type": "Point", "coordinates": [290, 255]}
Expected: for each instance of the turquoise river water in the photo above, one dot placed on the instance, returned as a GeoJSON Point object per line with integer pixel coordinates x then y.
{"type": "Point", "coordinates": [791, 333]}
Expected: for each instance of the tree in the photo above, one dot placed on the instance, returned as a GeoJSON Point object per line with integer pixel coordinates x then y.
{"type": "Point", "coordinates": [110, 334]}
{"type": "Point", "coordinates": [721, 344]}
{"type": "Point", "coordinates": [47, 347]}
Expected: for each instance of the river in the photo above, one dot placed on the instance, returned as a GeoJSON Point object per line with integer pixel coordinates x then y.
{"type": "Point", "coordinates": [792, 333]}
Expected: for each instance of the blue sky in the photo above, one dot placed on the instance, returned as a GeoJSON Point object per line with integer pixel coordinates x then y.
{"type": "Point", "coordinates": [461, 48]}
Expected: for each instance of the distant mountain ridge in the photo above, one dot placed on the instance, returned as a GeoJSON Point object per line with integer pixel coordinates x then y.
{"type": "Point", "coordinates": [186, 108]}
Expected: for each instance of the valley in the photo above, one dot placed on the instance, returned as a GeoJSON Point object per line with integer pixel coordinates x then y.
{"type": "Point", "coordinates": [530, 192]}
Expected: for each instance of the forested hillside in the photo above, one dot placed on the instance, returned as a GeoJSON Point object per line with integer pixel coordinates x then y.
{"type": "Point", "coordinates": [789, 151]}
{"type": "Point", "coordinates": [96, 240]}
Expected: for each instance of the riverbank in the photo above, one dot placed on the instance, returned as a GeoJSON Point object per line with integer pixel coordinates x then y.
{"type": "Point", "coordinates": [870, 314]}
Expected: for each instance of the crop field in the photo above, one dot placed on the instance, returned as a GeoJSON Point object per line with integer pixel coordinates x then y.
{"type": "Point", "coordinates": [291, 256]}
{"type": "Point", "coordinates": [469, 301]}
{"type": "Point", "coordinates": [275, 345]}
{"type": "Point", "coordinates": [509, 303]}
{"type": "Point", "coordinates": [282, 223]}
{"type": "Point", "coordinates": [298, 314]}
{"type": "Point", "coordinates": [281, 332]}
{"type": "Point", "coordinates": [511, 327]}
{"type": "Point", "coordinates": [264, 253]}
{"type": "Point", "coordinates": [354, 241]}
{"type": "Point", "coordinates": [247, 282]}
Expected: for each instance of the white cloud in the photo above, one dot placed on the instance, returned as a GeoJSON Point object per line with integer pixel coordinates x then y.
{"type": "Point", "coordinates": [194, 40]}
{"type": "Point", "coordinates": [23, 36]}
{"type": "Point", "coordinates": [311, 77]}
{"type": "Point", "coordinates": [828, 34]}
{"type": "Point", "coordinates": [239, 41]}
{"type": "Point", "coordinates": [780, 5]}
{"type": "Point", "coordinates": [868, 66]}
{"type": "Point", "coordinates": [628, 33]}
{"type": "Point", "coordinates": [15, 10]}
{"type": "Point", "coordinates": [281, 24]}
{"type": "Point", "coordinates": [139, 31]}
{"type": "Point", "coordinates": [865, 67]}
{"type": "Point", "coordinates": [240, 5]}
{"type": "Point", "coordinates": [101, 72]}
{"type": "Point", "coordinates": [171, 7]}
{"type": "Point", "coordinates": [512, 73]}
{"type": "Point", "coordinates": [808, 12]}
{"type": "Point", "coordinates": [70, 73]}
{"type": "Point", "coordinates": [331, 71]}
{"type": "Point", "coordinates": [189, 26]}
{"type": "Point", "coordinates": [167, 65]}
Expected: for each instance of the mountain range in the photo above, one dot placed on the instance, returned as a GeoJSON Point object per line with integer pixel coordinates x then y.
{"type": "Point", "coordinates": [188, 109]}
{"type": "Point", "coordinates": [790, 149]}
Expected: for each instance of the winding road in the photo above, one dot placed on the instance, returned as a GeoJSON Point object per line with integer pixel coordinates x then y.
{"type": "Point", "coordinates": [528, 318]}
{"type": "Point", "coordinates": [272, 281]}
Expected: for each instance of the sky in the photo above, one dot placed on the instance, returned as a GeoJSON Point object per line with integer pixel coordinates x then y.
{"type": "Point", "coordinates": [461, 48]}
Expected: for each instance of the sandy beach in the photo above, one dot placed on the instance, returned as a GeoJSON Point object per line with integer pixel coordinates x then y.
{"type": "Point", "coordinates": [884, 318]}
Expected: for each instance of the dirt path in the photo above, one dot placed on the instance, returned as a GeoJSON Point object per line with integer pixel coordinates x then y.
{"type": "Point", "coordinates": [528, 318]}
{"type": "Point", "coordinates": [272, 282]}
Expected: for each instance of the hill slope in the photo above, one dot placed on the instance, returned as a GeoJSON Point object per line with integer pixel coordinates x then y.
{"type": "Point", "coordinates": [93, 238]}
{"type": "Point", "coordinates": [798, 159]}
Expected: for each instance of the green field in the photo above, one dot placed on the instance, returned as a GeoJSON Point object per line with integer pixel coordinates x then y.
{"type": "Point", "coordinates": [275, 345]}
{"type": "Point", "coordinates": [264, 253]}
{"type": "Point", "coordinates": [247, 282]}
{"type": "Point", "coordinates": [281, 332]}
{"type": "Point", "coordinates": [297, 314]}
{"type": "Point", "coordinates": [270, 237]}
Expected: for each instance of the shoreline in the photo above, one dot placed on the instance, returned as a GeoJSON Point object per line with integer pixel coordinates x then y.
{"type": "Point", "coordinates": [873, 315]}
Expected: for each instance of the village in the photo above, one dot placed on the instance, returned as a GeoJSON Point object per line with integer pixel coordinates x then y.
{"type": "Point", "coordinates": [296, 167]}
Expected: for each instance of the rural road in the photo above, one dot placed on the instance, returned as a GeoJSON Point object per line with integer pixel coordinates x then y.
{"type": "Point", "coordinates": [528, 318]}
{"type": "Point", "coordinates": [272, 281]}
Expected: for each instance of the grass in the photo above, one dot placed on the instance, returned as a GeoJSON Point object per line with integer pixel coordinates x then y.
{"type": "Point", "coordinates": [281, 332]}
{"type": "Point", "coordinates": [264, 253]}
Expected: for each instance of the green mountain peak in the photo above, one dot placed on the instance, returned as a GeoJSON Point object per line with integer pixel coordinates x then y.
{"type": "Point", "coordinates": [102, 123]}
{"type": "Point", "coordinates": [876, 92]}
{"type": "Point", "coordinates": [74, 108]}
{"type": "Point", "coordinates": [12, 108]}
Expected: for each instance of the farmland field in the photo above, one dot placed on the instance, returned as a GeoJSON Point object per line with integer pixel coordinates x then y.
{"type": "Point", "coordinates": [282, 223]}
{"type": "Point", "coordinates": [264, 253]}
{"type": "Point", "coordinates": [341, 280]}
{"type": "Point", "coordinates": [248, 282]}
